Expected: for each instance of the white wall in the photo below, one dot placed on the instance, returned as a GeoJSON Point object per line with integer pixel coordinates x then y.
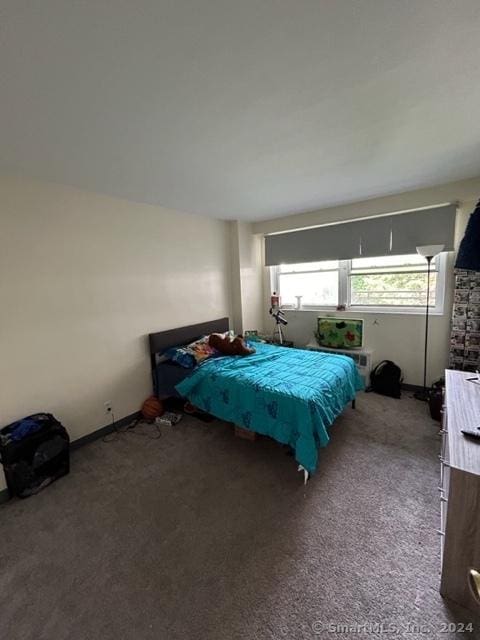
{"type": "Point", "coordinates": [392, 336]}
{"type": "Point", "coordinates": [462, 191]}
{"type": "Point", "coordinates": [83, 279]}
{"type": "Point", "coordinates": [247, 277]}
{"type": "Point", "coordinates": [251, 262]}
{"type": "Point", "coordinates": [235, 280]}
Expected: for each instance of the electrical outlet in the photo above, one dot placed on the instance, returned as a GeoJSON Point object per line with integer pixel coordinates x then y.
{"type": "Point", "coordinates": [108, 407]}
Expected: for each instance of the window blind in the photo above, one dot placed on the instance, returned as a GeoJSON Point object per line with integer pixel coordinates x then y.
{"type": "Point", "coordinates": [396, 234]}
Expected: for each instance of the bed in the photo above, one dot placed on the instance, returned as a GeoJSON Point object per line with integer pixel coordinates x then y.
{"type": "Point", "coordinates": [291, 395]}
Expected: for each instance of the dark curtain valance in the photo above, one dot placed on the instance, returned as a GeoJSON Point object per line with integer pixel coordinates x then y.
{"type": "Point", "coordinates": [396, 234]}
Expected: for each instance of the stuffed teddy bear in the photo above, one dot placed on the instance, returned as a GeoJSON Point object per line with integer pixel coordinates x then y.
{"type": "Point", "coordinates": [227, 347]}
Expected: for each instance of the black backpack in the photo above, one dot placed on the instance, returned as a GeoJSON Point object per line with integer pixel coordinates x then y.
{"type": "Point", "coordinates": [386, 379]}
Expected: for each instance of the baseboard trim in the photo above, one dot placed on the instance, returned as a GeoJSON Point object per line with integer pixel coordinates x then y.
{"type": "Point", "coordinates": [103, 431]}
{"type": "Point", "coordinates": [411, 387]}
{"type": "Point", "coordinates": [90, 437]}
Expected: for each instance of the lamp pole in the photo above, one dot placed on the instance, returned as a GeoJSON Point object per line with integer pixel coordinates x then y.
{"type": "Point", "coordinates": [428, 252]}
{"type": "Point", "coordinates": [423, 395]}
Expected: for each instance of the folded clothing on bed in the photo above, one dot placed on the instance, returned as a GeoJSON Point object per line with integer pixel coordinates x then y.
{"type": "Point", "coordinates": [190, 355]}
{"type": "Point", "coordinates": [177, 363]}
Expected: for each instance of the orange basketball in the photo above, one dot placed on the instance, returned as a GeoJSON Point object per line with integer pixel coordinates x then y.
{"type": "Point", "coordinates": [152, 408]}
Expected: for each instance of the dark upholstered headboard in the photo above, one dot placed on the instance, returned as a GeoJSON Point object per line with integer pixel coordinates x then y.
{"type": "Point", "coordinates": [163, 340]}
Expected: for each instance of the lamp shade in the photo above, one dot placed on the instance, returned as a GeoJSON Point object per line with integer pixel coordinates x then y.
{"type": "Point", "coordinates": [430, 250]}
{"type": "Point", "coordinates": [468, 256]}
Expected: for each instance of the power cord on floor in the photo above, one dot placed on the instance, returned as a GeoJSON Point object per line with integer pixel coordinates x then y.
{"type": "Point", "coordinates": [130, 429]}
{"type": "Point", "coordinates": [109, 437]}
{"type": "Point", "coordinates": [155, 435]}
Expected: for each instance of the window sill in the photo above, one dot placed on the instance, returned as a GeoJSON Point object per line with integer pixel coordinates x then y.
{"type": "Point", "coordinates": [367, 311]}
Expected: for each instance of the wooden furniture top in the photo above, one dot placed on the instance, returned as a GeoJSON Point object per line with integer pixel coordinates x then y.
{"type": "Point", "coordinates": [463, 412]}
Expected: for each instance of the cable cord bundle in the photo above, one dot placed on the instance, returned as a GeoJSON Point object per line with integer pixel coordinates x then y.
{"type": "Point", "coordinates": [130, 429]}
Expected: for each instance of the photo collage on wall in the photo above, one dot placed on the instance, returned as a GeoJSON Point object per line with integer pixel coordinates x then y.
{"type": "Point", "coordinates": [465, 336]}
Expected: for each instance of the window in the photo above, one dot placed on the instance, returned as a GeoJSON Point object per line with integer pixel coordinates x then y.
{"type": "Point", "coordinates": [316, 282]}
{"type": "Point", "coordinates": [390, 283]}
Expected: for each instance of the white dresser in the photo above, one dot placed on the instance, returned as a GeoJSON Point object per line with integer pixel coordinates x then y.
{"type": "Point", "coordinates": [459, 489]}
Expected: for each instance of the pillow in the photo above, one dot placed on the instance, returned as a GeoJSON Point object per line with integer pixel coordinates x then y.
{"type": "Point", "coordinates": [182, 356]}
{"type": "Point", "coordinates": [190, 355]}
{"type": "Point", "coordinates": [201, 350]}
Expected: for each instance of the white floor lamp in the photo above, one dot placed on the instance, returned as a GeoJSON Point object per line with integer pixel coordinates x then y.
{"type": "Point", "coordinates": [428, 252]}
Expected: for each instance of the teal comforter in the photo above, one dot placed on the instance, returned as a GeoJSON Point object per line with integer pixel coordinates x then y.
{"type": "Point", "coordinates": [291, 395]}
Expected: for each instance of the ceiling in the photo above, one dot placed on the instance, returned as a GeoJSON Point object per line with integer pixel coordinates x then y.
{"type": "Point", "coordinates": [246, 109]}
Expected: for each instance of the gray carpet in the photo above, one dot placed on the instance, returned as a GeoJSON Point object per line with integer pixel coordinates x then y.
{"type": "Point", "coordinates": [201, 535]}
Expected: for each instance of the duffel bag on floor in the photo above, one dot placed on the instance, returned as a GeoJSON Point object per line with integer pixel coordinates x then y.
{"type": "Point", "coordinates": [34, 452]}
